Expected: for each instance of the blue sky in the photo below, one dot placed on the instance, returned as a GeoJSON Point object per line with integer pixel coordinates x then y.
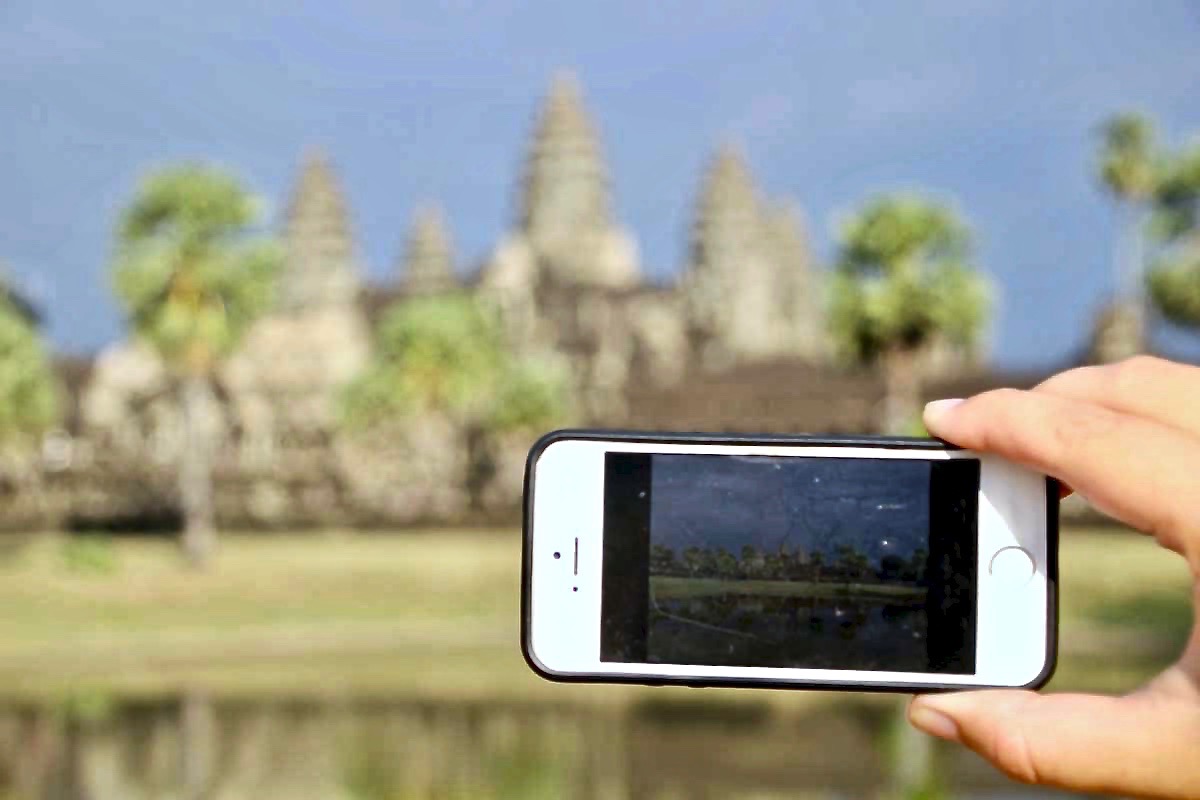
{"type": "Point", "coordinates": [993, 104]}
{"type": "Point", "coordinates": [878, 507]}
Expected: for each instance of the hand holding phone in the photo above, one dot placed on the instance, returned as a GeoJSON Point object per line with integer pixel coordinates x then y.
{"type": "Point", "coordinates": [802, 562]}
{"type": "Point", "coordinates": [1127, 436]}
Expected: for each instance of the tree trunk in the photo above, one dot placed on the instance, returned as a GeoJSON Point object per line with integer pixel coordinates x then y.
{"type": "Point", "coordinates": [1131, 277]}
{"type": "Point", "coordinates": [901, 391]}
{"type": "Point", "coordinates": [913, 768]}
{"type": "Point", "coordinates": [195, 473]}
{"type": "Point", "coordinates": [197, 739]}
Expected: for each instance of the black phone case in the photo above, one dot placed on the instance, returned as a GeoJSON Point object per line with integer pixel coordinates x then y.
{"type": "Point", "coordinates": [888, 442]}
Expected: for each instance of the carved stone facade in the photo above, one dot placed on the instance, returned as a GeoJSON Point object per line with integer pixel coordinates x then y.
{"type": "Point", "coordinates": [750, 289]}
{"type": "Point", "coordinates": [428, 264]}
{"type": "Point", "coordinates": [568, 284]}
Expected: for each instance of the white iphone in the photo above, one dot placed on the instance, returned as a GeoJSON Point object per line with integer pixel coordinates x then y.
{"type": "Point", "coordinates": [807, 562]}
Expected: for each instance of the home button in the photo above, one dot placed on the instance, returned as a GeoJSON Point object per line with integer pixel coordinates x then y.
{"type": "Point", "coordinates": [1012, 565]}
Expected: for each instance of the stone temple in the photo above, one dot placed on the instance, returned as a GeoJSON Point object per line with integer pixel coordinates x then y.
{"type": "Point", "coordinates": [735, 342]}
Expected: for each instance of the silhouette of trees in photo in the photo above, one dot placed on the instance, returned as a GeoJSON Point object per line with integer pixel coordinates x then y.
{"type": "Point", "coordinates": [846, 564]}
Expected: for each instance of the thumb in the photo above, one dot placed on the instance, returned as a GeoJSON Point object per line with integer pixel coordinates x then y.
{"type": "Point", "coordinates": [1142, 744]}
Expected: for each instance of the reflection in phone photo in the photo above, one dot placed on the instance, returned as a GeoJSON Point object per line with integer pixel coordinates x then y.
{"type": "Point", "coordinates": [822, 563]}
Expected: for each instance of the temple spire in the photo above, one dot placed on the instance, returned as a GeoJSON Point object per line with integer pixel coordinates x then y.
{"type": "Point", "coordinates": [320, 270]}
{"type": "Point", "coordinates": [728, 216]}
{"type": "Point", "coordinates": [565, 189]}
{"type": "Point", "coordinates": [800, 306]}
{"type": "Point", "coordinates": [732, 284]}
{"type": "Point", "coordinates": [429, 255]}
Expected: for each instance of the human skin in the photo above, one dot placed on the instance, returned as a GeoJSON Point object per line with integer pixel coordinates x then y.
{"type": "Point", "coordinates": [1127, 437]}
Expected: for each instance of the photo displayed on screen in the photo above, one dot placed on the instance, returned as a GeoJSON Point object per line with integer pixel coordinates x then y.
{"type": "Point", "coordinates": [822, 563]}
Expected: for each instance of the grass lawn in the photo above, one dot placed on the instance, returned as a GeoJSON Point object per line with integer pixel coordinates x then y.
{"type": "Point", "coordinates": [672, 588]}
{"type": "Point", "coordinates": [426, 614]}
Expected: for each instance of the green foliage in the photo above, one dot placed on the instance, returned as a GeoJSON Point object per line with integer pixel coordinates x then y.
{"type": "Point", "coordinates": [189, 276]}
{"type": "Point", "coordinates": [904, 278]}
{"type": "Point", "coordinates": [1175, 288]}
{"type": "Point", "coordinates": [530, 394]}
{"type": "Point", "coordinates": [89, 554]}
{"type": "Point", "coordinates": [1128, 156]}
{"type": "Point", "coordinates": [29, 397]}
{"type": "Point", "coordinates": [1174, 281]}
{"type": "Point", "coordinates": [784, 564]}
{"type": "Point", "coordinates": [86, 706]}
{"type": "Point", "coordinates": [1177, 196]}
{"type": "Point", "coordinates": [447, 354]}
{"type": "Point", "coordinates": [916, 428]}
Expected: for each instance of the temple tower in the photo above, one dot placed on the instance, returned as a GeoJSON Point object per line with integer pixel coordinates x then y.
{"type": "Point", "coordinates": [285, 380]}
{"type": "Point", "coordinates": [566, 230]}
{"type": "Point", "coordinates": [565, 236]}
{"type": "Point", "coordinates": [730, 283]}
{"type": "Point", "coordinates": [565, 184]}
{"type": "Point", "coordinates": [801, 317]}
{"type": "Point", "coordinates": [320, 269]}
{"type": "Point", "coordinates": [428, 265]}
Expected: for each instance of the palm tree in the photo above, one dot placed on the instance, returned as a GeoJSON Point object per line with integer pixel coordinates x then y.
{"type": "Point", "coordinates": [903, 283]}
{"type": "Point", "coordinates": [192, 282]}
{"type": "Point", "coordinates": [445, 355]}
{"type": "Point", "coordinates": [29, 397]}
{"type": "Point", "coordinates": [662, 560]}
{"type": "Point", "coordinates": [815, 562]}
{"type": "Point", "coordinates": [1128, 169]}
{"type": "Point", "coordinates": [1174, 281]}
{"type": "Point", "coordinates": [726, 565]}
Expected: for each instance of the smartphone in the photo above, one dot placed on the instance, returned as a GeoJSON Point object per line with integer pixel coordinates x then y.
{"type": "Point", "coordinates": [804, 562]}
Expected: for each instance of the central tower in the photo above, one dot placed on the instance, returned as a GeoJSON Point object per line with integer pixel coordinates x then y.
{"type": "Point", "coordinates": [565, 233]}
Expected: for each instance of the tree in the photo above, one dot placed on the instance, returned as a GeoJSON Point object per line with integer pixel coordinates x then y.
{"type": "Point", "coordinates": [29, 400]}
{"type": "Point", "coordinates": [193, 278]}
{"type": "Point", "coordinates": [662, 560]}
{"type": "Point", "coordinates": [446, 355]}
{"type": "Point", "coordinates": [1128, 168]}
{"type": "Point", "coordinates": [853, 563]}
{"type": "Point", "coordinates": [903, 282]}
{"type": "Point", "coordinates": [1174, 281]}
{"type": "Point", "coordinates": [726, 565]}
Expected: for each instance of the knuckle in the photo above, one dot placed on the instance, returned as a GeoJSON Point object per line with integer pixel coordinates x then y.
{"type": "Point", "coordinates": [996, 403]}
{"type": "Point", "coordinates": [1071, 433]}
{"type": "Point", "coordinates": [1011, 753]}
{"type": "Point", "coordinates": [997, 417]}
{"type": "Point", "coordinates": [1132, 374]}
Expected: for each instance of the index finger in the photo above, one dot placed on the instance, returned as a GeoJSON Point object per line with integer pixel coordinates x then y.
{"type": "Point", "coordinates": [1137, 470]}
{"type": "Point", "coordinates": [1158, 390]}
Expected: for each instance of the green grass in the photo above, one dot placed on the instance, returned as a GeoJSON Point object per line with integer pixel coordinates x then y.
{"type": "Point", "coordinates": [672, 588]}
{"type": "Point", "coordinates": [429, 614]}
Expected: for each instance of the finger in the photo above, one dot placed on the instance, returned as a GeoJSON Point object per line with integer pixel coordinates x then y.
{"type": "Point", "coordinates": [1143, 745]}
{"type": "Point", "coordinates": [1097, 451]}
{"type": "Point", "coordinates": [1147, 387]}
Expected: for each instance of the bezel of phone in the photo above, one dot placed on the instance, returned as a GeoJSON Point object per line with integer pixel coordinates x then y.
{"type": "Point", "coordinates": [1016, 640]}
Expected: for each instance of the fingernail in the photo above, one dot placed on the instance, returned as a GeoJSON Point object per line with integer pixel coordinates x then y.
{"type": "Point", "coordinates": [938, 408]}
{"type": "Point", "coordinates": [933, 722]}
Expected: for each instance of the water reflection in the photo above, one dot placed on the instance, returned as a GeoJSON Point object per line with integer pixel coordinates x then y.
{"type": "Point", "coordinates": [733, 629]}
{"type": "Point", "coordinates": [197, 749]}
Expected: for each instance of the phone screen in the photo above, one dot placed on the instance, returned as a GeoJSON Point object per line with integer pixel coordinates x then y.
{"type": "Point", "coordinates": [793, 562]}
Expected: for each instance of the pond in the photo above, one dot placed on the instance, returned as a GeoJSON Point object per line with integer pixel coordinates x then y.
{"type": "Point", "coordinates": [734, 630]}
{"type": "Point", "coordinates": [195, 748]}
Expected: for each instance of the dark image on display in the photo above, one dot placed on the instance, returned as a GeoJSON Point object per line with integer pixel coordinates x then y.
{"type": "Point", "coordinates": [822, 563]}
